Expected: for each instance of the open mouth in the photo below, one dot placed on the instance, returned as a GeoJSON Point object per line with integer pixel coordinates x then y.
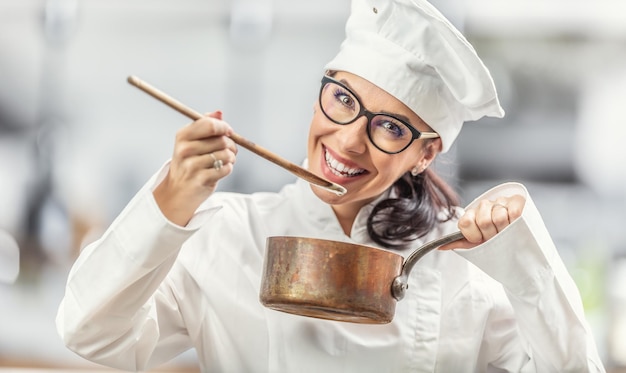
{"type": "Point", "coordinates": [341, 169]}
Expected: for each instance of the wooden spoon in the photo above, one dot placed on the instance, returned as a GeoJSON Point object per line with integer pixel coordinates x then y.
{"type": "Point", "coordinates": [238, 139]}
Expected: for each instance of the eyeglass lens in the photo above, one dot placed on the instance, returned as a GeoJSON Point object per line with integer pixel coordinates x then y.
{"type": "Point", "coordinates": [341, 106]}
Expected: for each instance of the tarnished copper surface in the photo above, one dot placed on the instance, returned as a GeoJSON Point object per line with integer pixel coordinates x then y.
{"type": "Point", "coordinates": [329, 279]}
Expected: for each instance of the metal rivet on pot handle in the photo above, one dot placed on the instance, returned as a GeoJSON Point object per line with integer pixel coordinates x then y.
{"type": "Point", "coordinates": [400, 283]}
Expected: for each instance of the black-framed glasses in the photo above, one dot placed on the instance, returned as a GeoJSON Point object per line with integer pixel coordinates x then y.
{"type": "Point", "coordinates": [387, 132]}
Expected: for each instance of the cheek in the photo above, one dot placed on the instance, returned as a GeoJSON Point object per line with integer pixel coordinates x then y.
{"type": "Point", "coordinates": [388, 170]}
{"type": "Point", "coordinates": [313, 134]}
{"type": "Point", "coordinates": [313, 141]}
{"type": "Point", "coordinates": [318, 128]}
{"type": "Point", "coordinates": [392, 167]}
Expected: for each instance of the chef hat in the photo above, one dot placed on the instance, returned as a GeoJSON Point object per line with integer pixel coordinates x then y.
{"type": "Point", "coordinates": [409, 49]}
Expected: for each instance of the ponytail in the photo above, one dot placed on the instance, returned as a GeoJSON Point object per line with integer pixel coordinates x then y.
{"type": "Point", "coordinates": [422, 202]}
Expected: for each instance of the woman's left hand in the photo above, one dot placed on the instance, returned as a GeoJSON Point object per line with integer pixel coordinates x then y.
{"type": "Point", "coordinates": [486, 219]}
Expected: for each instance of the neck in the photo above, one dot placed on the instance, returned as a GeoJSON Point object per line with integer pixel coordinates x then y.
{"type": "Point", "coordinates": [346, 214]}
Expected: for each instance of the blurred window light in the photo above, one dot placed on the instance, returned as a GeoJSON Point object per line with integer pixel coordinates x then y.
{"type": "Point", "coordinates": [251, 22]}
{"type": "Point", "coordinates": [598, 18]}
{"type": "Point", "coordinates": [59, 19]}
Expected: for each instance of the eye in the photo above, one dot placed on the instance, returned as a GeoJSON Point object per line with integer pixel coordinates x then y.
{"type": "Point", "coordinates": [344, 98]}
{"type": "Point", "coordinates": [390, 127]}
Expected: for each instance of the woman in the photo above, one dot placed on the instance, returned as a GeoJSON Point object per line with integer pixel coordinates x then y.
{"type": "Point", "coordinates": [181, 266]}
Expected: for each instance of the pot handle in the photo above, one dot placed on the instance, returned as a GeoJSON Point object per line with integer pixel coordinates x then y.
{"type": "Point", "coordinates": [400, 283]}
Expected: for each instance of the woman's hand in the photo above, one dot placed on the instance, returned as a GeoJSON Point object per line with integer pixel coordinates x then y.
{"type": "Point", "coordinates": [487, 219]}
{"type": "Point", "coordinates": [195, 168]}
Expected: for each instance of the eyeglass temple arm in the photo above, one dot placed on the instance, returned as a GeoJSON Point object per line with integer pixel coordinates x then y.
{"type": "Point", "coordinates": [428, 135]}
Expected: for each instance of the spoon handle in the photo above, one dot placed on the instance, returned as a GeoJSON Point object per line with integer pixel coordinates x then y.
{"type": "Point", "coordinates": [240, 140]}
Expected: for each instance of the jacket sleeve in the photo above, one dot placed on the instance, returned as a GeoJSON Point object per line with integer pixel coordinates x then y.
{"type": "Point", "coordinates": [119, 309]}
{"type": "Point", "coordinates": [553, 332]}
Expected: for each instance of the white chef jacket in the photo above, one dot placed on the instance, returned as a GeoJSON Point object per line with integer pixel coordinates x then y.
{"type": "Point", "coordinates": [149, 289]}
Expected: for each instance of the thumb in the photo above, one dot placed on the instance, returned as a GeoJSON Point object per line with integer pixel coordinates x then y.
{"type": "Point", "coordinates": [215, 114]}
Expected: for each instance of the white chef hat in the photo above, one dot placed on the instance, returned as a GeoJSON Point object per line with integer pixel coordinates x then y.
{"type": "Point", "coordinates": [409, 49]}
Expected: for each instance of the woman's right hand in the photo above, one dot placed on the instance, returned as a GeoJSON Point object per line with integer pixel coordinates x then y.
{"type": "Point", "coordinates": [192, 177]}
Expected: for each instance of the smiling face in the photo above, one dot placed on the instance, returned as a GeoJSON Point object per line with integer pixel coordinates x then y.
{"type": "Point", "coordinates": [344, 154]}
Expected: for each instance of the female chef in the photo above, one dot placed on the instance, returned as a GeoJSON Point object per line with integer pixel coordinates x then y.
{"type": "Point", "coordinates": [180, 267]}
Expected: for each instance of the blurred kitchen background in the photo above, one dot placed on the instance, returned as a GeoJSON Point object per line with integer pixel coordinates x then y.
{"type": "Point", "coordinates": [77, 141]}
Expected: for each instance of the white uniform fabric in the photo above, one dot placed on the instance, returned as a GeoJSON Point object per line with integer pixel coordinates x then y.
{"type": "Point", "coordinates": [148, 290]}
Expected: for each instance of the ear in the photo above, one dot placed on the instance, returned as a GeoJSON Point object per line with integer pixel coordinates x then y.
{"type": "Point", "coordinates": [430, 151]}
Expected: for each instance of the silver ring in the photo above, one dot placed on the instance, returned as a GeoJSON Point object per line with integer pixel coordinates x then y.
{"type": "Point", "coordinates": [217, 163]}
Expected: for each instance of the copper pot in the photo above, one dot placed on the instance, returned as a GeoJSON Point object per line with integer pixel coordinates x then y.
{"type": "Point", "coordinates": [337, 280]}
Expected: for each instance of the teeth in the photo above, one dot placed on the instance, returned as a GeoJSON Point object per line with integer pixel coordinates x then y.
{"type": "Point", "coordinates": [341, 169]}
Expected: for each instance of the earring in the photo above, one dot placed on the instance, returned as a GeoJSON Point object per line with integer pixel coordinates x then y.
{"type": "Point", "coordinates": [416, 171]}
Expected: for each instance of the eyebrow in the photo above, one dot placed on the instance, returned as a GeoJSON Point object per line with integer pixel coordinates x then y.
{"type": "Point", "coordinates": [396, 115]}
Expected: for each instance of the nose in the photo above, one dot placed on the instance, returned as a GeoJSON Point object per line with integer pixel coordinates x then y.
{"type": "Point", "coordinates": [352, 138]}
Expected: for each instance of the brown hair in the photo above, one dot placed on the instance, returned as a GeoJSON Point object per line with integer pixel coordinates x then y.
{"type": "Point", "coordinates": [420, 203]}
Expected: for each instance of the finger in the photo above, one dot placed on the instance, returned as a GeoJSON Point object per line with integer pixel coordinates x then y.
{"type": "Point", "coordinates": [460, 244]}
{"type": "Point", "coordinates": [219, 159]}
{"type": "Point", "coordinates": [215, 114]}
{"type": "Point", "coordinates": [217, 164]}
{"type": "Point", "coordinates": [500, 215]}
{"type": "Point", "coordinates": [484, 220]}
{"type": "Point", "coordinates": [185, 149]}
{"type": "Point", "coordinates": [467, 225]}
{"type": "Point", "coordinates": [203, 128]}
{"type": "Point", "coordinates": [207, 171]}
{"type": "Point", "coordinates": [515, 205]}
